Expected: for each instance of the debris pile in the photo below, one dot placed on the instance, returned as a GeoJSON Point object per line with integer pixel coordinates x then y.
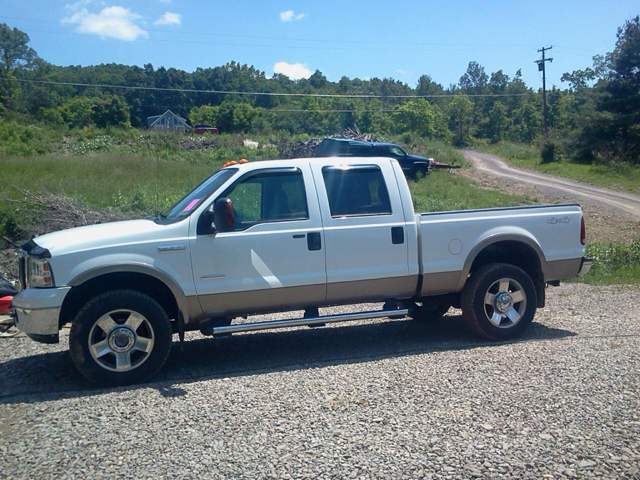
{"type": "Point", "coordinates": [355, 134]}
{"type": "Point", "coordinates": [302, 149]}
{"type": "Point", "coordinates": [292, 149]}
{"type": "Point", "coordinates": [42, 213]}
{"type": "Point", "coordinates": [197, 143]}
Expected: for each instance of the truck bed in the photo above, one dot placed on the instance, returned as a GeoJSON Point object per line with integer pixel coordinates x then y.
{"type": "Point", "coordinates": [449, 242]}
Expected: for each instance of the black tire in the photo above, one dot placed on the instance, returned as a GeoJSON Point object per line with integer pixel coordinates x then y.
{"type": "Point", "coordinates": [419, 171]}
{"type": "Point", "coordinates": [488, 312]}
{"type": "Point", "coordinates": [430, 309]}
{"type": "Point", "coordinates": [140, 334]}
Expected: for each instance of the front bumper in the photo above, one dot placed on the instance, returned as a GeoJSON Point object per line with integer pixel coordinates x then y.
{"type": "Point", "coordinates": [585, 266]}
{"type": "Point", "coordinates": [37, 312]}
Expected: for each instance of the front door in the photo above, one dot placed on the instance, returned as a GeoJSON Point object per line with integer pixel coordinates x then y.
{"type": "Point", "coordinates": [275, 258]}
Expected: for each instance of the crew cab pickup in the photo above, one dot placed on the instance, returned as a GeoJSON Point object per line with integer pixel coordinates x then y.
{"type": "Point", "coordinates": [288, 235]}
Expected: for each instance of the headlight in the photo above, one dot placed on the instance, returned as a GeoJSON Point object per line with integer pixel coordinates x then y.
{"type": "Point", "coordinates": [39, 273]}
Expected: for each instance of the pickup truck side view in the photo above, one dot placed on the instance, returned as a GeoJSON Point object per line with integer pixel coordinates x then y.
{"type": "Point", "coordinates": [287, 235]}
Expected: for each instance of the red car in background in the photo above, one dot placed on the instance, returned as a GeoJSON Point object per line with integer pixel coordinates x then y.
{"type": "Point", "coordinates": [201, 128]}
{"type": "Point", "coordinates": [7, 292]}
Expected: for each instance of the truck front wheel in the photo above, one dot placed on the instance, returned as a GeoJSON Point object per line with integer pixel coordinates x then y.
{"type": "Point", "coordinates": [499, 301]}
{"type": "Point", "coordinates": [120, 337]}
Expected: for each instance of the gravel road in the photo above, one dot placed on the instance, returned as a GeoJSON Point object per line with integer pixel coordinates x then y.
{"type": "Point", "coordinates": [377, 399]}
{"type": "Point", "coordinates": [623, 203]}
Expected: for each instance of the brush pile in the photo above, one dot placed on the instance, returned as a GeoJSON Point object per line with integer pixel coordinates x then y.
{"type": "Point", "coordinates": [303, 149]}
{"type": "Point", "coordinates": [42, 213]}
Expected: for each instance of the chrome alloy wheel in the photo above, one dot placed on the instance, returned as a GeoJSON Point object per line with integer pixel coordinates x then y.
{"type": "Point", "coordinates": [505, 303]}
{"type": "Point", "coordinates": [121, 340]}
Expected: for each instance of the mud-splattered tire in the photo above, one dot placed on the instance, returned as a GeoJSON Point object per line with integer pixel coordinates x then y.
{"type": "Point", "coordinates": [499, 301]}
{"type": "Point", "coordinates": [120, 337]}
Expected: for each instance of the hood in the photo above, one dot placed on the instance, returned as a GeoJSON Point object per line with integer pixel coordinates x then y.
{"type": "Point", "coordinates": [101, 236]}
{"type": "Point", "coordinates": [418, 158]}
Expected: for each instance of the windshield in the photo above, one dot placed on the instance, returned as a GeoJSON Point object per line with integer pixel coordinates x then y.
{"type": "Point", "coordinates": [397, 151]}
{"type": "Point", "coordinates": [198, 195]}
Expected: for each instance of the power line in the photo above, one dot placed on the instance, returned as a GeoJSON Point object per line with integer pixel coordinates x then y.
{"type": "Point", "coordinates": [269, 94]}
{"type": "Point", "coordinates": [301, 47]}
{"type": "Point", "coordinates": [294, 39]}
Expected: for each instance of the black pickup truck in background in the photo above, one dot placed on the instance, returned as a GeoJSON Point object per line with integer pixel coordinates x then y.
{"type": "Point", "coordinates": [413, 166]}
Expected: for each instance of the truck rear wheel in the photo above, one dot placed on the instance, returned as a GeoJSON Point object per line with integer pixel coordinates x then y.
{"type": "Point", "coordinates": [120, 337]}
{"type": "Point", "coordinates": [499, 301]}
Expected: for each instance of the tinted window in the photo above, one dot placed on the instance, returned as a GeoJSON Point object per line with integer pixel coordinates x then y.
{"type": "Point", "coordinates": [397, 151]}
{"type": "Point", "coordinates": [199, 194]}
{"type": "Point", "coordinates": [356, 191]}
{"type": "Point", "coordinates": [268, 197]}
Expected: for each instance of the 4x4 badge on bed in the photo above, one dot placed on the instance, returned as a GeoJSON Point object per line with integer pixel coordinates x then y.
{"type": "Point", "coordinates": [555, 220]}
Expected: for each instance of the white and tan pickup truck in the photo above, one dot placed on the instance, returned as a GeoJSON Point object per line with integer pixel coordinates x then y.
{"type": "Point", "coordinates": [288, 235]}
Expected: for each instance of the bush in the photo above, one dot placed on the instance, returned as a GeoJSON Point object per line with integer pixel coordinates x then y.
{"type": "Point", "coordinates": [613, 263]}
{"type": "Point", "coordinates": [24, 140]}
{"type": "Point", "coordinates": [548, 153]}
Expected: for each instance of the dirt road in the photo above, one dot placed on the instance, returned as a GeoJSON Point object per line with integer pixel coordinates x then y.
{"type": "Point", "coordinates": [625, 204]}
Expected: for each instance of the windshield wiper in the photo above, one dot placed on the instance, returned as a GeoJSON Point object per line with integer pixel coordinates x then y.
{"type": "Point", "coordinates": [159, 216]}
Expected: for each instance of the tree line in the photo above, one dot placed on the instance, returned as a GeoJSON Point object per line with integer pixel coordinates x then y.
{"type": "Point", "coordinates": [597, 118]}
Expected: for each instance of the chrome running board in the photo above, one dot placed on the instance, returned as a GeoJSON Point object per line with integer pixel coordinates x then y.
{"type": "Point", "coordinates": [299, 322]}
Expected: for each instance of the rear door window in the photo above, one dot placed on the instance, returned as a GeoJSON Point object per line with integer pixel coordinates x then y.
{"type": "Point", "coordinates": [356, 190]}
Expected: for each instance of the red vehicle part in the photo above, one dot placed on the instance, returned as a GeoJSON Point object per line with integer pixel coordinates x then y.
{"type": "Point", "coordinates": [5, 304]}
{"type": "Point", "coordinates": [201, 128]}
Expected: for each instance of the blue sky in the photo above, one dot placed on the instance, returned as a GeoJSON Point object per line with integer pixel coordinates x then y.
{"type": "Point", "coordinates": [398, 39]}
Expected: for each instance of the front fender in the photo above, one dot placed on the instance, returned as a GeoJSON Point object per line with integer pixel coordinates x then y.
{"type": "Point", "coordinates": [136, 267]}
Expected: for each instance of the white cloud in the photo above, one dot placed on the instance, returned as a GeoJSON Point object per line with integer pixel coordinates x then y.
{"type": "Point", "coordinates": [164, 1]}
{"type": "Point", "coordinates": [169, 19]}
{"type": "Point", "coordinates": [113, 22]}
{"type": "Point", "coordinates": [288, 16]}
{"type": "Point", "coordinates": [295, 71]}
{"type": "Point", "coordinates": [401, 71]}
{"type": "Point", "coordinates": [75, 6]}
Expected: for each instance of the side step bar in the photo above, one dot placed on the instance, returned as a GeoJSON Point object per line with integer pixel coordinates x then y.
{"type": "Point", "coordinates": [348, 317]}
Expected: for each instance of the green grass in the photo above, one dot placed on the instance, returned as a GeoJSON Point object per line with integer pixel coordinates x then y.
{"type": "Point", "coordinates": [442, 191]}
{"type": "Point", "coordinates": [121, 182]}
{"type": "Point", "coordinates": [615, 176]}
{"type": "Point", "coordinates": [613, 263]}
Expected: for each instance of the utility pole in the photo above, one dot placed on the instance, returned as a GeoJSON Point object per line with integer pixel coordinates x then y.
{"type": "Point", "coordinates": [541, 68]}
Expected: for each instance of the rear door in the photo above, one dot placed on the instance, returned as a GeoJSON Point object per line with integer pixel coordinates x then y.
{"type": "Point", "coordinates": [364, 231]}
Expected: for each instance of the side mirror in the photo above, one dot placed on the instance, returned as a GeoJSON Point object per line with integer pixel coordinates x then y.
{"type": "Point", "coordinates": [205, 223]}
{"type": "Point", "coordinates": [225, 219]}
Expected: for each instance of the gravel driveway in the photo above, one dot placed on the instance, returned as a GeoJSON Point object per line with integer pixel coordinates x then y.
{"type": "Point", "coordinates": [377, 399]}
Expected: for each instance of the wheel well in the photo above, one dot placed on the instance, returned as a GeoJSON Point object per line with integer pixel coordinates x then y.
{"type": "Point", "coordinates": [515, 253]}
{"type": "Point", "coordinates": [81, 294]}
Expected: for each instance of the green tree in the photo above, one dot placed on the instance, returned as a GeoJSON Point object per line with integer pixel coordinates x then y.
{"type": "Point", "coordinates": [77, 112]}
{"type": "Point", "coordinates": [461, 115]}
{"type": "Point", "coordinates": [235, 117]}
{"type": "Point", "coordinates": [110, 111]}
{"type": "Point", "coordinates": [620, 104]}
{"type": "Point", "coordinates": [416, 116]}
{"type": "Point", "coordinates": [14, 54]}
{"type": "Point", "coordinates": [498, 122]}
{"type": "Point", "coordinates": [608, 115]}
